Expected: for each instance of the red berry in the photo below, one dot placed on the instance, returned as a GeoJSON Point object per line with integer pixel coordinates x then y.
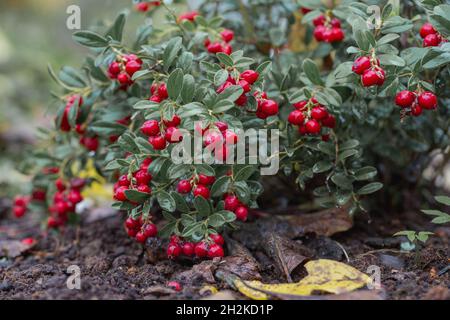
{"type": "Point", "coordinates": [329, 121]}
{"type": "Point", "coordinates": [335, 35]}
{"type": "Point", "coordinates": [427, 29]}
{"type": "Point", "coordinates": [162, 91]}
{"type": "Point", "coordinates": [319, 33]}
{"type": "Point", "coordinates": [432, 40]}
{"type": "Point", "coordinates": [175, 286]}
{"type": "Point", "coordinates": [217, 239]}
{"type": "Point", "coordinates": [124, 78]}
{"type": "Point", "coordinates": [361, 64]}
{"type": "Point", "coordinates": [319, 21]}
{"type": "Point", "coordinates": [206, 180]}
{"type": "Point", "coordinates": [242, 100]}
{"type": "Point", "coordinates": [52, 223]}
{"type": "Point", "coordinates": [214, 47]}
{"type": "Point", "coordinates": [416, 110]}
{"type": "Point", "coordinates": [131, 223]}
{"type": "Point", "coordinates": [230, 137]}
{"type": "Point", "coordinates": [61, 208]}
{"type": "Point", "coordinates": [188, 249]}
{"type": "Point", "coordinates": [173, 250]}
{"type": "Point", "coordinates": [141, 237]}
{"type": "Point", "coordinates": [241, 213]}
{"type": "Point", "coordinates": [300, 105]}
{"type": "Point", "coordinates": [305, 10]}
{"type": "Point", "coordinates": [405, 98]}
{"type": "Point", "coordinates": [19, 212]}
{"type": "Point", "coordinates": [231, 203]}
{"type": "Point", "coordinates": [215, 251]}
{"type": "Point", "coordinates": [155, 98]}
{"type": "Point", "coordinates": [119, 195]}
{"type": "Point", "coordinates": [184, 186]}
{"type": "Point", "coordinates": [175, 239]}
{"type": "Point", "coordinates": [144, 189]}
{"type": "Point", "coordinates": [123, 181]}
{"type": "Point", "coordinates": [158, 142]}
{"type": "Point", "coordinates": [201, 191]}
{"type": "Point", "coordinates": [150, 128]}
{"type": "Point", "coordinates": [173, 135]}
{"type": "Point", "coordinates": [28, 241]}
{"type": "Point", "coordinates": [38, 195]}
{"type": "Point", "coordinates": [227, 49]}
{"type": "Point", "coordinates": [175, 122]}
{"type": "Point", "coordinates": [269, 107]}
{"type": "Point", "coordinates": [188, 16]}
{"type": "Point", "coordinates": [227, 35]}
{"type": "Point", "coordinates": [427, 100]}
{"type": "Point", "coordinates": [114, 69]}
{"type": "Point", "coordinates": [371, 78]}
{"type": "Point", "coordinates": [143, 177]}
{"type": "Point", "coordinates": [75, 196]}
{"type": "Point", "coordinates": [313, 126]}
{"type": "Point", "coordinates": [244, 85]}
{"type": "Point", "coordinates": [222, 126]}
{"type": "Point", "coordinates": [319, 113]}
{"type": "Point", "coordinates": [335, 22]}
{"type": "Point", "coordinates": [20, 201]}
{"type": "Point", "coordinates": [223, 86]}
{"type": "Point", "coordinates": [132, 232]}
{"type": "Point", "coordinates": [90, 143]}
{"type": "Point", "coordinates": [250, 76]}
{"type": "Point", "coordinates": [150, 230]}
{"type": "Point", "coordinates": [143, 6]}
{"type": "Point", "coordinates": [132, 67]}
{"type": "Point", "coordinates": [296, 118]}
{"type": "Point", "coordinates": [201, 249]}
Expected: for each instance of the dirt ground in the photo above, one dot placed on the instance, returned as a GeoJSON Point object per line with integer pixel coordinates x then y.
{"type": "Point", "coordinates": [116, 267]}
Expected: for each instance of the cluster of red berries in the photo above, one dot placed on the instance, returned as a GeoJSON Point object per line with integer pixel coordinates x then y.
{"type": "Point", "coordinates": [147, 5]}
{"type": "Point", "coordinates": [218, 138]}
{"type": "Point", "coordinates": [70, 103]}
{"type": "Point", "coordinates": [245, 81]}
{"type": "Point", "coordinates": [90, 143]}
{"type": "Point", "coordinates": [266, 107]}
{"type": "Point", "coordinates": [328, 29]}
{"type": "Point", "coordinates": [198, 185]}
{"type": "Point", "coordinates": [233, 204]}
{"type": "Point", "coordinates": [159, 92]}
{"type": "Point", "coordinates": [415, 101]}
{"type": "Point", "coordinates": [212, 248]}
{"type": "Point", "coordinates": [310, 116]}
{"type": "Point", "coordinates": [124, 68]}
{"type": "Point", "coordinates": [162, 132]}
{"type": "Point", "coordinates": [20, 206]}
{"type": "Point", "coordinates": [221, 46]}
{"type": "Point", "coordinates": [139, 181]}
{"type": "Point", "coordinates": [65, 200]}
{"type": "Point", "coordinates": [188, 16]}
{"type": "Point", "coordinates": [431, 38]}
{"type": "Point", "coordinates": [140, 229]}
{"type": "Point", "coordinates": [370, 71]}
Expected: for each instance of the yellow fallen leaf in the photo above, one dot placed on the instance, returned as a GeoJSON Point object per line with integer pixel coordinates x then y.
{"type": "Point", "coordinates": [98, 189]}
{"type": "Point", "coordinates": [323, 275]}
{"type": "Point", "coordinates": [207, 289]}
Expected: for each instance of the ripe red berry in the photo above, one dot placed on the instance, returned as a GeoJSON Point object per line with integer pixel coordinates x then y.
{"type": "Point", "coordinates": [215, 251]}
{"type": "Point", "coordinates": [143, 6]}
{"type": "Point", "coordinates": [61, 207]}
{"type": "Point", "coordinates": [188, 249]}
{"type": "Point", "coordinates": [188, 16]}
{"type": "Point", "coordinates": [319, 113]}
{"type": "Point", "coordinates": [432, 40]}
{"type": "Point", "coordinates": [296, 118]}
{"type": "Point", "coordinates": [132, 232]}
{"type": "Point", "coordinates": [416, 110]}
{"type": "Point", "coordinates": [201, 191]}
{"type": "Point", "coordinates": [123, 181]}
{"type": "Point", "coordinates": [143, 177]}
{"type": "Point", "coordinates": [427, 29]}
{"type": "Point", "coordinates": [230, 137]}
{"type": "Point", "coordinates": [222, 126]}
{"type": "Point", "coordinates": [334, 35]}
{"type": "Point", "coordinates": [223, 86]}
{"type": "Point", "coordinates": [319, 21]}
{"type": "Point", "coordinates": [173, 135]}
{"type": "Point", "coordinates": [20, 201]}
{"type": "Point", "coordinates": [300, 105]}
{"type": "Point", "coordinates": [269, 107]}
{"type": "Point", "coordinates": [38, 195]}
{"type": "Point", "coordinates": [28, 241]}
{"type": "Point", "coordinates": [250, 76]}
{"type": "Point", "coordinates": [201, 249]}
{"type": "Point", "coordinates": [175, 122]}
{"type": "Point", "coordinates": [319, 33]}
{"type": "Point", "coordinates": [405, 98]}
{"type": "Point", "coordinates": [124, 78]}
{"type": "Point", "coordinates": [155, 98]}
{"type": "Point", "coordinates": [184, 186]}
{"type": "Point", "coordinates": [131, 223]}
{"type": "Point", "coordinates": [175, 286]}
{"type": "Point", "coordinates": [173, 250]}
{"type": "Point", "coordinates": [217, 239]}
{"type": "Point", "coordinates": [141, 237]}
{"type": "Point", "coordinates": [427, 100]}
{"type": "Point", "coordinates": [150, 128]}
{"type": "Point", "coordinates": [231, 203]}
{"type": "Point", "coordinates": [52, 223]}
{"type": "Point", "coordinates": [329, 121]}
{"type": "Point", "coordinates": [206, 180]}
{"type": "Point", "coordinates": [214, 47]}
{"type": "Point", "coordinates": [371, 78]}
{"type": "Point", "coordinates": [19, 212]}
{"type": "Point", "coordinates": [162, 91]}
{"type": "Point", "coordinates": [158, 142]}
{"type": "Point", "coordinates": [227, 35]}
{"type": "Point", "coordinates": [361, 64]}
{"type": "Point", "coordinates": [144, 189]}
{"type": "Point", "coordinates": [75, 196]}
{"type": "Point", "coordinates": [313, 126]}
{"type": "Point", "coordinates": [150, 230]}
{"type": "Point", "coordinates": [213, 137]}
{"type": "Point", "coordinates": [132, 67]}
{"type": "Point", "coordinates": [241, 213]}
{"type": "Point", "coordinates": [90, 143]}
{"type": "Point", "coordinates": [119, 194]}
{"type": "Point", "coordinates": [242, 100]}
{"type": "Point", "coordinates": [114, 69]}
{"type": "Point", "coordinates": [335, 22]}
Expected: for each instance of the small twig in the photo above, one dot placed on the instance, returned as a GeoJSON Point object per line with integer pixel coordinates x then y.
{"type": "Point", "coordinates": [343, 250]}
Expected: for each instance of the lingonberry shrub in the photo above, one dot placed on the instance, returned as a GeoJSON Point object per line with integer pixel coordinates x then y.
{"type": "Point", "coordinates": [127, 110]}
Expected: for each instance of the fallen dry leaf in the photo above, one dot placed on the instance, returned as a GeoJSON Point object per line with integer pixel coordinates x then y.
{"type": "Point", "coordinates": [323, 276]}
{"type": "Point", "coordinates": [221, 295]}
{"type": "Point", "coordinates": [199, 274]}
{"type": "Point", "coordinates": [324, 223]}
{"type": "Point", "coordinates": [287, 254]}
{"type": "Point", "coordinates": [14, 248]}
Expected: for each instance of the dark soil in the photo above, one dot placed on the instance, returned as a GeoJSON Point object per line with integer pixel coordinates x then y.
{"type": "Point", "coordinates": [115, 267]}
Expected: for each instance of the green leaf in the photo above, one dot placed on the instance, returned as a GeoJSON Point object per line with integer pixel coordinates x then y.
{"type": "Point", "coordinates": [391, 60]}
{"type": "Point", "coordinates": [188, 91]}
{"type": "Point", "coordinates": [342, 181]}
{"type": "Point", "coordinates": [181, 203]}
{"type": "Point", "coordinates": [220, 186]}
{"type": "Point", "coordinates": [136, 196]}
{"type": "Point", "coordinates": [171, 52]}
{"type": "Point", "coordinates": [346, 154]}
{"type": "Point", "coordinates": [225, 59]}
{"type": "Point", "coordinates": [116, 30]}
{"type": "Point", "coordinates": [370, 188]}
{"type": "Point", "coordinates": [387, 38]}
{"type": "Point", "coordinates": [443, 199]}
{"type": "Point", "coordinates": [202, 206]}
{"type": "Point", "coordinates": [312, 72]}
{"type": "Point", "coordinates": [349, 144]}
{"type": "Point", "coordinates": [90, 39]}
{"type": "Point", "coordinates": [365, 173]}
{"type": "Point", "coordinates": [205, 169]}
{"type": "Point", "coordinates": [433, 212]}
{"type": "Point", "coordinates": [232, 93]}
{"type": "Point", "coordinates": [411, 235]}
{"type": "Point", "coordinates": [245, 173]}
{"type": "Point", "coordinates": [166, 201]}
{"type": "Point", "coordinates": [322, 166]}
{"type": "Point", "coordinates": [220, 77]}
{"type": "Point", "coordinates": [423, 236]}
{"type": "Point", "coordinates": [175, 83]}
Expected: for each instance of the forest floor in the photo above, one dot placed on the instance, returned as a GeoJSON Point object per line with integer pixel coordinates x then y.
{"type": "Point", "coordinates": [113, 266]}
